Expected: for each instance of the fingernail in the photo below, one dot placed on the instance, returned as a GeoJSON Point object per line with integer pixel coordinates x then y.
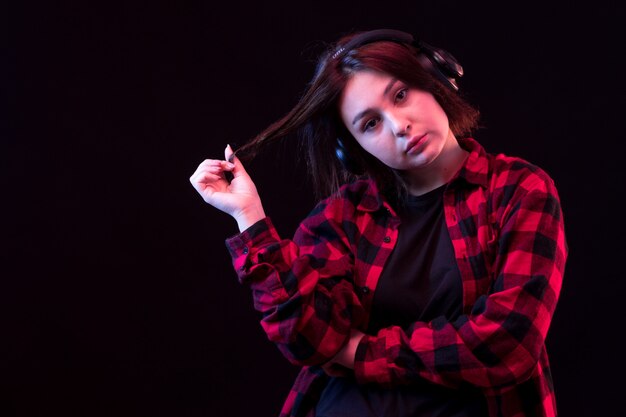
{"type": "Point", "coordinates": [232, 153]}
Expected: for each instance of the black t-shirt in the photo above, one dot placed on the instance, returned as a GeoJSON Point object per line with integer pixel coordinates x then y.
{"type": "Point", "coordinates": [420, 281]}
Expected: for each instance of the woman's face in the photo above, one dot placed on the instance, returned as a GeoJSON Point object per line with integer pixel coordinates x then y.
{"type": "Point", "coordinates": [405, 128]}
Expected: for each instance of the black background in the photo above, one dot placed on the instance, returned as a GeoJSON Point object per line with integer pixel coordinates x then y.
{"type": "Point", "coordinates": [117, 295]}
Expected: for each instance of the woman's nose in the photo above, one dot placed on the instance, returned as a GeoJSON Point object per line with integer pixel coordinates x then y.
{"type": "Point", "coordinates": [401, 127]}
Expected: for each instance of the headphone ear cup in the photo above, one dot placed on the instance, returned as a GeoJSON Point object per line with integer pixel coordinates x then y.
{"type": "Point", "coordinates": [348, 162]}
{"type": "Point", "coordinates": [448, 64]}
{"type": "Point", "coordinates": [442, 64]}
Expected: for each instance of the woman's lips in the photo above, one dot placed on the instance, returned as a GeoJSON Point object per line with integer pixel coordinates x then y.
{"type": "Point", "coordinates": [415, 143]}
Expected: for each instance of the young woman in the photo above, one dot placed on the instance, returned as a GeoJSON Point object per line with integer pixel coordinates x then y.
{"type": "Point", "coordinates": [425, 281]}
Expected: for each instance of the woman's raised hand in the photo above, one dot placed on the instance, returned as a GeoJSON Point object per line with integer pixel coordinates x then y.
{"type": "Point", "coordinates": [239, 197]}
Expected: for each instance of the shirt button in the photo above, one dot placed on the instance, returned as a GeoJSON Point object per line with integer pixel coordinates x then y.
{"type": "Point", "coordinates": [245, 250]}
{"type": "Point", "coordinates": [387, 239]}
{"type": "Point", "coordinates": [365, 290]}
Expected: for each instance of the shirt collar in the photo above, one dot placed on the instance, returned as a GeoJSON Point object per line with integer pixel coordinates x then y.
{"type": "Point", "coordinates": [371, 199]}
{"type": "Point", "coordinates": [475, 170]}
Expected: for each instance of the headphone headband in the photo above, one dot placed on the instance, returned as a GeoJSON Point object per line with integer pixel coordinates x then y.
{"type": "Point", "coordinates": [436, 61]}
{"type": "Point", "coordinates": [374, 36]}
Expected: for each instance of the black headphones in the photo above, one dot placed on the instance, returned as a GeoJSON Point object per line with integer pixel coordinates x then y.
{"type": "Point", "coordinates": [436, 61]}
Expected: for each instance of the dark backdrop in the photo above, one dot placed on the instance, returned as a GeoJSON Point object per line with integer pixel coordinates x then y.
{"type": "Point", "coordinates": [117, 295]}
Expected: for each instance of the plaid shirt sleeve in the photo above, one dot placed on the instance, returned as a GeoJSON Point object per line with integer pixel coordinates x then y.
{"type": "Point", "coordinates": [303, 290]}
{"type": "Point", "coordinates": [499, 342]}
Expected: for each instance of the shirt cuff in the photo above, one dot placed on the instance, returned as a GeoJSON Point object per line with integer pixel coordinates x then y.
{"type": "Point", "coordinates": [368, 366]}
{"type": "Point", "coordinates": [245, 246]}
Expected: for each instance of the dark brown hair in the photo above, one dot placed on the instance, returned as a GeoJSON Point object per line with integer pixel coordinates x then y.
{"type": "Point", "coordinates": [316, 120]}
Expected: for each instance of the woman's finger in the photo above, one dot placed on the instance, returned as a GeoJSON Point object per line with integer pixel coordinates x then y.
{"type": "Point", "coordinates": [216, 163]}
{"type": "Point", "coordinates": [238, 169]}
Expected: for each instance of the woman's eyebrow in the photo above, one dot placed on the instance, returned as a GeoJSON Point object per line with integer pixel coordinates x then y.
{"type": "Point", "coordinates": [385, 92]}
{"type": "Point", "coordinates": [389, 86]}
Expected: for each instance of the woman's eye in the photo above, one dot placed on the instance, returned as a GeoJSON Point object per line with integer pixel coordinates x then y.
{"type": "Point", "coordinates": [370, 124]}
{"type": "Point", "coordinates": [401, 94]}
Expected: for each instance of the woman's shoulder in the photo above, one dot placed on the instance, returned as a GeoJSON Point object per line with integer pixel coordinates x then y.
{"type": "Point", "coordinates": [359, 194]}
{"type": "Point", "coordinates": [336, 215]}
{"type": "Point", "coordinates": [509, 170]}
{"type": "Point", "coordinates": [502, 169]}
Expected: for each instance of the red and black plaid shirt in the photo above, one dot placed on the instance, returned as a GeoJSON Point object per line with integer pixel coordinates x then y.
{"type": "Point", "coordinates": [505, 221]}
